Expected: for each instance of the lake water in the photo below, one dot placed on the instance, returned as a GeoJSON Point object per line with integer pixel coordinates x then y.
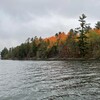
{"type": "Point", "coordinates": [49, 80]}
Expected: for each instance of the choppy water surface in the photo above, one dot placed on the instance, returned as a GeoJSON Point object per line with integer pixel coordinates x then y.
{"type": "Point", "coordinates": [49, 80]}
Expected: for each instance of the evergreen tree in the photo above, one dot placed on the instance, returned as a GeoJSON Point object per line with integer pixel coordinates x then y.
{"type": "Point", "coordinates": [82, 39]}
{"type": "Point", "coordinates": [4, 53]}
{"type": "Point", "coordinates": [97, 26]}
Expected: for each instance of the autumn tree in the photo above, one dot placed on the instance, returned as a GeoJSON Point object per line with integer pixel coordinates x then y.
{"type": "Point", "coordinates": [70, 47]}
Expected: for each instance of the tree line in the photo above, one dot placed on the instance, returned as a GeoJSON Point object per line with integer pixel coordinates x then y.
{"type": "Point", "coordinates": [81, 42]}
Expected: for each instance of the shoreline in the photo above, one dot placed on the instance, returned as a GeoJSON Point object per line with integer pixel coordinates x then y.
{"type": "Point", "coordinates": [55, 59]}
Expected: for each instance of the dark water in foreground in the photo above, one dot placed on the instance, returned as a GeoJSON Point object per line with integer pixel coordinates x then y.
{"type": "Point", "coordinates": [49, 80]}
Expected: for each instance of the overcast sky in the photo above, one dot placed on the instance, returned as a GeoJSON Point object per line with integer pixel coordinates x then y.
{"type": "Point", "coordinates": [20, 19]}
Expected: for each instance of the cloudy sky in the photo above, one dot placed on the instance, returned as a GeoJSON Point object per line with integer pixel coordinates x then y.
{"type": "Point", "coordinates": [20, 19]}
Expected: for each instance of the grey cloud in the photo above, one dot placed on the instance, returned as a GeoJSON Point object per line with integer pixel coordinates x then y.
{"type": "Point", "coordinates": [71, 8]}
{"type": "Point", "coordinates": [20, 19]}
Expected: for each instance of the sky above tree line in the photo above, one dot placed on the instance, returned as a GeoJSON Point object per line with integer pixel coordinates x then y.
{"type": "Point", "coordinates": [20, 19]}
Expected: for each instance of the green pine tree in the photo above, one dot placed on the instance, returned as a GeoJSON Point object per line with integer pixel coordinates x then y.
{"type": "Point", "coordinates": [82, 39]}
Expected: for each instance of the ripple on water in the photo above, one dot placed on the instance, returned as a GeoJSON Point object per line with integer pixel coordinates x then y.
{"type": "Point", "coordinates": [49, 80]}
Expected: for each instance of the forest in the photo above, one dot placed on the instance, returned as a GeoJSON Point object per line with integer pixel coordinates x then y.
{"type": "Point", "coordinates": [81, 42]}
